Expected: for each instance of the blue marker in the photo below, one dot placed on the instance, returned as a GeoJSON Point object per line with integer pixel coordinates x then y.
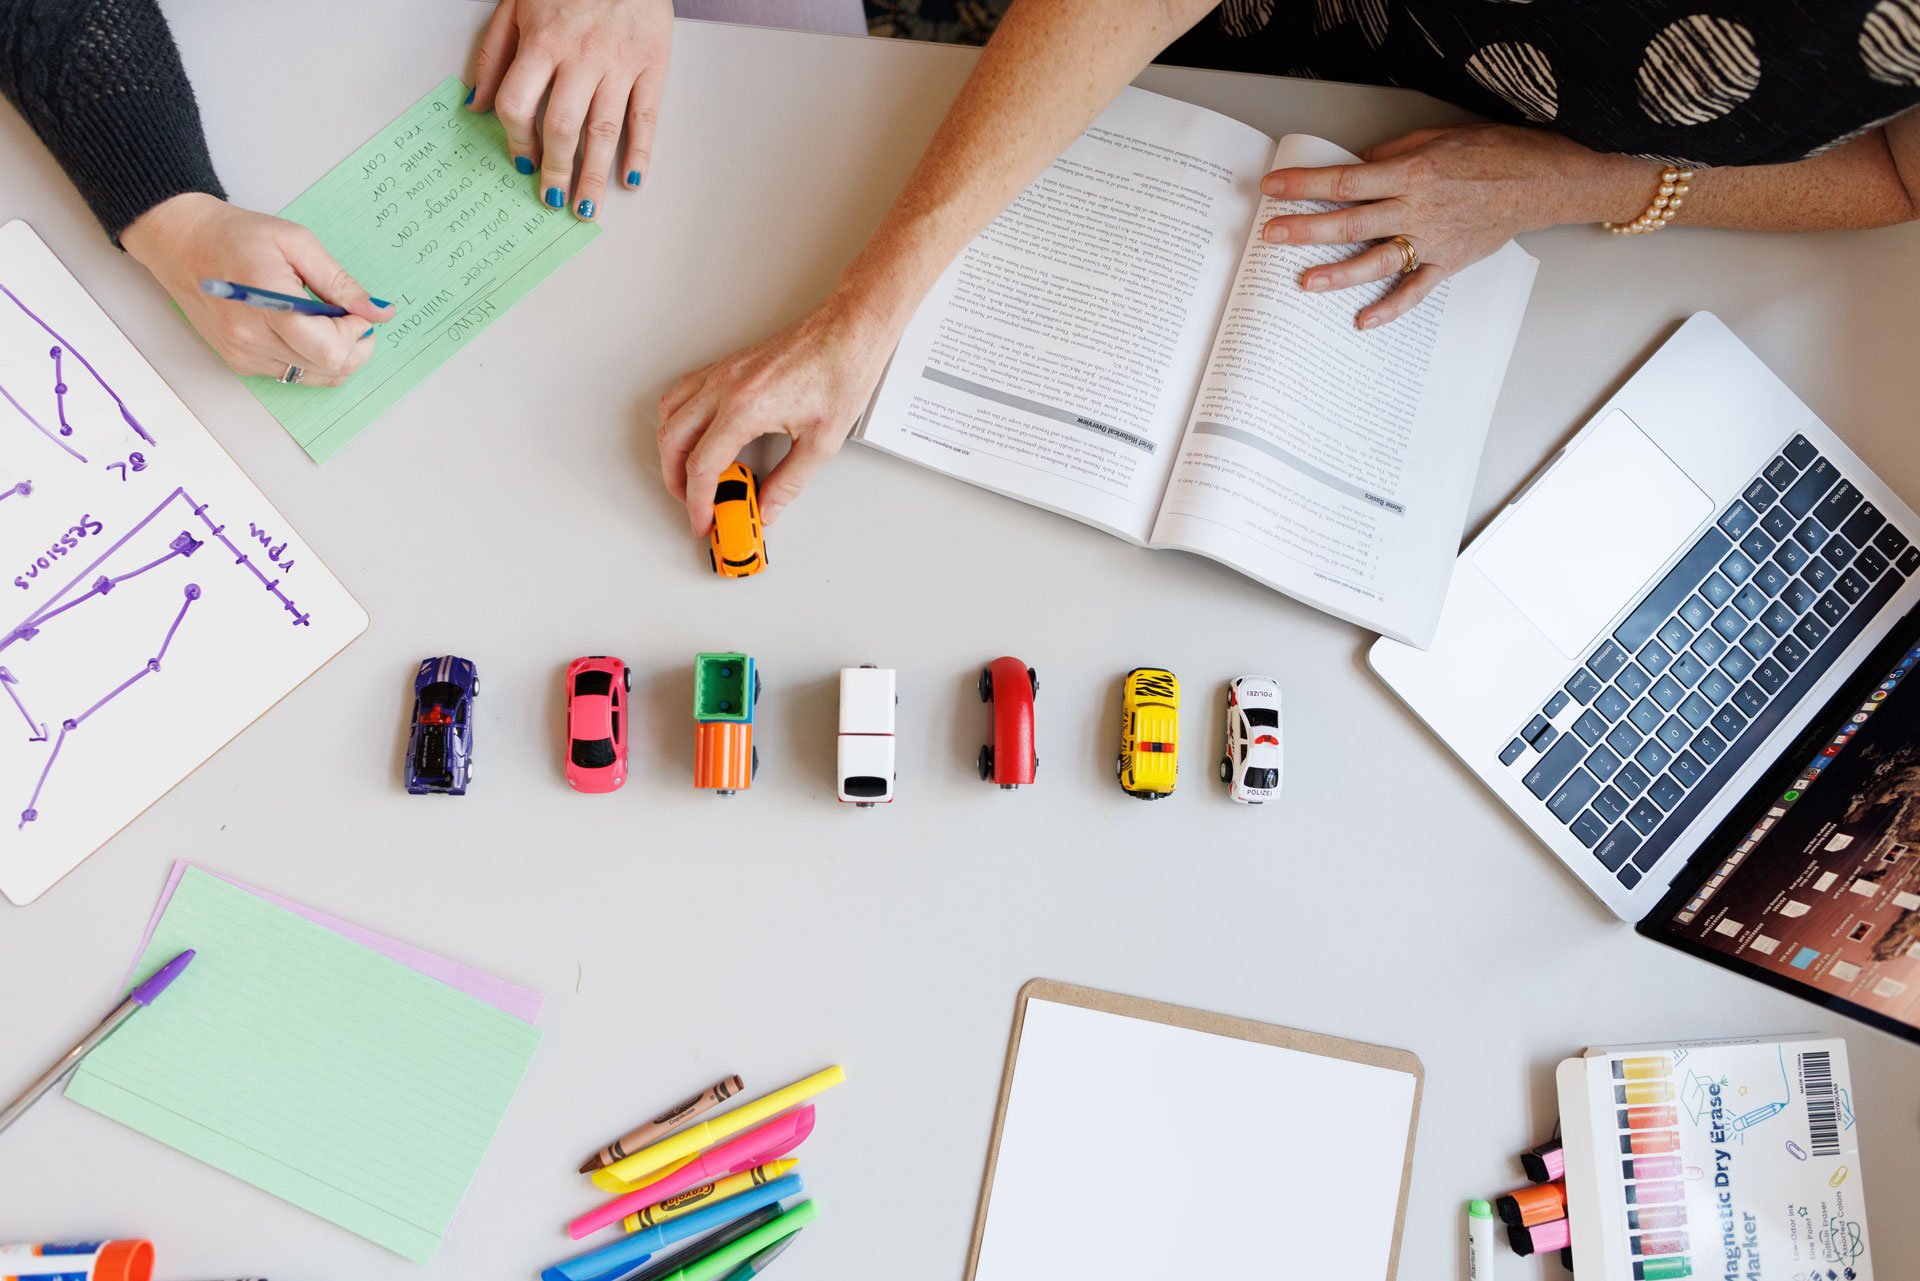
{"type": "Point", "coordinates": [610, 1262]}
{"type": "Point", "coordinates": [268, 300]}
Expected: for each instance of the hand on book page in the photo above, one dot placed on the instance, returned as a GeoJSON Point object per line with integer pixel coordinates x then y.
{"type": "Point", "coordinates": [1454, 196]}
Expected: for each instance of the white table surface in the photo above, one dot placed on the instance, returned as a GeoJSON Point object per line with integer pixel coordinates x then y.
{"type": "Point", "coordinates": [680, 937]}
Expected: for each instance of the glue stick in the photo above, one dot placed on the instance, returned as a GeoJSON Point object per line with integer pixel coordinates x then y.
{"type": "Point", "coordinates": [79, 1261]}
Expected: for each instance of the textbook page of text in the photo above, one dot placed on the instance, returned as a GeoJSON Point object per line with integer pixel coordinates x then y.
{"type": "Point", "coordinates": [1056, 360]}
{"type": "Point", "coordinates": [1335, 464]}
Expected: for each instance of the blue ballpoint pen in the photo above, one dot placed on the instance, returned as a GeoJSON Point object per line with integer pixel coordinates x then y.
{"type": "Point", "coordinates": [268, 300]}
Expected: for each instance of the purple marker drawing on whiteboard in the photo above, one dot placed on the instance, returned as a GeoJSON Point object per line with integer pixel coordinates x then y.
{"type": "Point", "coordinates": [80, 356]}
{"type": "Point", "coordinates": [23, 488]}
{"type": "Point", "coordinates": [152, 665]}
{"type": "Point", "coordinates": [40, 426]}
{"type": "Point", "coordinates": [99, 586]}
{"type": "Point", "coordinates": [60, 394]}
{"type": "Point", "coordinates": [39, 728]}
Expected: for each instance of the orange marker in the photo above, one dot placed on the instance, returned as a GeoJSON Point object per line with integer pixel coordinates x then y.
{"type": "Point", "coordinates": [1540, 1203]}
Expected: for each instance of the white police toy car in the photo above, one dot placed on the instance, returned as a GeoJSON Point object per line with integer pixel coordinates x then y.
{"type": "Point", "coordinates": [1252, 764]}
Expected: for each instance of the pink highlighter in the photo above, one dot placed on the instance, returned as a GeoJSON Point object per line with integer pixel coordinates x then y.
{"type": "Point", "coordinates": [756, 1147]}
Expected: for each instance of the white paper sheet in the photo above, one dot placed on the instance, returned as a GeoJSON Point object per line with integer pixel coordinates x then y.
{"type": "Point", "coordinates": [155, 602]}
{"type": "Point", "coordinates": [1133, 1151]}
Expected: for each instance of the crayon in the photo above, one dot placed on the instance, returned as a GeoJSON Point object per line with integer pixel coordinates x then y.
{"type": "Point", "coordinates": [1645, 1068]}
{"type": "Point", "coordinates": [1649, 1218]}
{"type": "Point", "coordinates": [1640, 1093]}
{"type": "Point", "coordinates": [1659, 1118]}
{"type": "Point", "coordinates": [705, 1134]}
{"type": "Point", "coordinates": [1661, 1243]}
{"type": "Point", "coordinates": [741, 1153]}
{"type": "Point", "coordinates": [1545, 1163]}
{"type": "Point", "coordinates": [1655, 1193]}
{"type": "Point", "coordinates": [1536, 1203]}
{"type": "Point", "coordinates": [658, 1128]}
{"type": "Point", "coordinates": [1662, 1269]}
{"type": "Point", "coordinates": [682, 1202]}
{"type": "Point", "coordinates": [1664, 1166]}
{"type": "Point", "coordinates": [1649, 1142]}
{"type": "Point", "coordinates": [1541, 1238]}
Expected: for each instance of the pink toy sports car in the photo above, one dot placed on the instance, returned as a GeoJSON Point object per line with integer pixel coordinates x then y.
{"type": "Point", "coordinates": [596, 723]}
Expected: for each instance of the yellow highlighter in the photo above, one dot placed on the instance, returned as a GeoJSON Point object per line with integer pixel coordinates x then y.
{"type": "Point", "coordinates": [707, 1193]}
{"type": "Point", "coordinates": [648, 1162]}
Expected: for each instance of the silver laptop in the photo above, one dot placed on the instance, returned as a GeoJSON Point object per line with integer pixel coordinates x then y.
{"type": "Point", "coordinates": [1651, 623]}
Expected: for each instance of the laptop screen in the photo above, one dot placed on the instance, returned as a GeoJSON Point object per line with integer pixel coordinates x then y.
{"type": "Point", "coordinates": [1814, 884]}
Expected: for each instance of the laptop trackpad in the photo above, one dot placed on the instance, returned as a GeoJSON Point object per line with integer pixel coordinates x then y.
{"type": "Point", "coordinates": [1587, 539]}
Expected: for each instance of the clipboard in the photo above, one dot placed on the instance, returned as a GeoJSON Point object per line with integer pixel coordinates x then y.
{"type": "Point", "coordinates": [1064, 1002]}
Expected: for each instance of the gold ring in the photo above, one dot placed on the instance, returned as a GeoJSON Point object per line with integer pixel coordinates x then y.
{"type": "Point", "coordinates": [1409, 256]}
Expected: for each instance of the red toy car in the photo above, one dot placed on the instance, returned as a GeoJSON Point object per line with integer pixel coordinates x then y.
{"type": "Point", "coordinates": [1010, 685]}
{"type": "Point", "coordinates": [596, 723]}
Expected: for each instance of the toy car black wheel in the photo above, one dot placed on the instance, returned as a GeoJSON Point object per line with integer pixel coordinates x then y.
{"type": "Point", "coordinates": [712, 564]}
{"type": "Point", "coordinates": [476, 688]}
{"type": "Point", "coordinates": [1119, 767]}
{"type": "Point", "coordinates": [1226, 770]}
{"type": "Point", "coordinates": [985, 685]}
{"type": "Point", "coordinates": [1033, 679]}
{"type": "Point", "coordinates": [756, 689]}
{"type": "Point", "coordinates": [986, 764]}
{"type": "Point", "coordinates": [626, 679]}
{"type": "Point", "coordinates": [756, 764]}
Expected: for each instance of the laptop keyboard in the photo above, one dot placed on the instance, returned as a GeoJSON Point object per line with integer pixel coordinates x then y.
{"type": "Point", "coordinates": [1627, 752]}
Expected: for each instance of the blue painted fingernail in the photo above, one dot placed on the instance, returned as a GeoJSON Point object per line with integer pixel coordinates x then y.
{"type": "Point", "coordinates": [378, 302]}
{"type": "Point", "coordinates": [523, 164]}
{"type": "Point", "coordinates": [369, 332]}
{"type": "Point", "coordinates": [555, 198]}
{"type": "Point", "coordinates": [585, 208]}
{"type": "Point", "coordinates": [633, 178]}
{"type": "Point", "coordinates": [470, 94]}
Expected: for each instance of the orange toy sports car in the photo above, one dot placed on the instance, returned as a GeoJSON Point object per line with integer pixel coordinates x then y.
{"type": "Point", "coordinates": [737, 546]}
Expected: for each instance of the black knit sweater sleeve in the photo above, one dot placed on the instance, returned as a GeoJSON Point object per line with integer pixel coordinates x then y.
{"type": "Point", "coordinates": [101, 82]}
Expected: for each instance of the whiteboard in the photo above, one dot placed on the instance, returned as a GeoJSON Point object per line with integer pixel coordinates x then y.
{"type": "Point", "coordinates": [155, 602]}
{"type": "Point", "coordinates": [1131, 1148]}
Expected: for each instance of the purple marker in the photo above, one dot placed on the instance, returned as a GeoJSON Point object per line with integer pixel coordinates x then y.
{"type": "Point", "coordinates": [138, 999]}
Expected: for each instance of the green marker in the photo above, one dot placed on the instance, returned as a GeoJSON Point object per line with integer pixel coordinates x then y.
{"type": "Point", "coordinates": [1668, 1269]}
{"type": "Point", "coordinates": [724, 1260]}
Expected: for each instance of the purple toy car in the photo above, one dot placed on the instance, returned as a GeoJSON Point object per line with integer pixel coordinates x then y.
{"type": "Point", "coordinates": [440, 749]}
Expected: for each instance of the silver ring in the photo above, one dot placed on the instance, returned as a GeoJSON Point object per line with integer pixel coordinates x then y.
{"type": "Point", "coordinates": [293, 375]}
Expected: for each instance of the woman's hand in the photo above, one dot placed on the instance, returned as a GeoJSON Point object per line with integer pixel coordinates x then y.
{"type": "Point", "coordinates": [196, 237]}
{"type": "Point", "coordinates": [808, 382]}
{"type": "Point", "coordinates": [599, 65]}
{"type": "Point", "coordinates": [1457, 194]}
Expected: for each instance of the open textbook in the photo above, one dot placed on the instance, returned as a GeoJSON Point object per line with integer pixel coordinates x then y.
{"type": "Point", "coordinates": [1121, 346]}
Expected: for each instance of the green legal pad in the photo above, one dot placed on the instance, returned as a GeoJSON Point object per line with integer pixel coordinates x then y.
{"type": "Point", "coordinates": [312, 1067]}
{"type": "Point", "coordinates": [431, 216]}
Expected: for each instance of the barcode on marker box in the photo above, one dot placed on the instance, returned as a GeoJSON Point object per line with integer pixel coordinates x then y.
{"type": "Point", "coordinates": [1823, 1104]}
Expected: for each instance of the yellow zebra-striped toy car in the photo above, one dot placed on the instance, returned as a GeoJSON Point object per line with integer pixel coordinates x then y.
{"type": "Point", "coordinates": [1149, 761]}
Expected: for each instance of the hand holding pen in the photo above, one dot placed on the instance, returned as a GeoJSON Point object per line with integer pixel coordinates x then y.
{"type": "Point", "coordinates": [192, 238]}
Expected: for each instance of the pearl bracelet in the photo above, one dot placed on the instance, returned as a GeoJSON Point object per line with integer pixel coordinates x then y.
{"type": "Point", "coordinates": [1666, 204]}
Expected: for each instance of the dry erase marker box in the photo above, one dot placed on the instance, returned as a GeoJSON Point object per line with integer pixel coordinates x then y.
{"type": "Point", "coordinates": [1736, 1159]}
